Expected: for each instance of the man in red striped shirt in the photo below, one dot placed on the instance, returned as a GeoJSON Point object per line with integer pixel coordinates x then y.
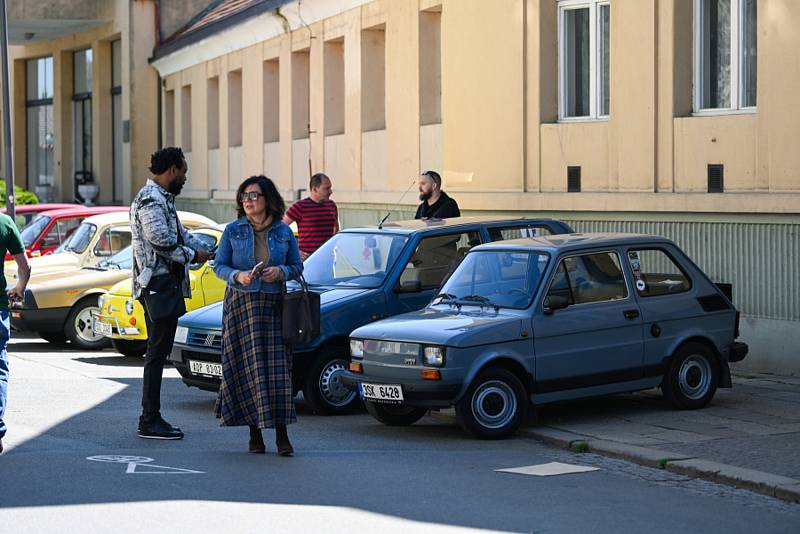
{"type": "Point", "coordinates": [317, 216]}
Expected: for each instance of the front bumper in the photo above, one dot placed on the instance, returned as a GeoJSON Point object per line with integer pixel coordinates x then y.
{"type": "Point", "coordinates": [131, 333]}
{"type": "Point", "coordinates": [180, 356]}
{"type": "Point", "coordinates": [422, 393]}
{"type": "Point", "coordinates": [38, 319]}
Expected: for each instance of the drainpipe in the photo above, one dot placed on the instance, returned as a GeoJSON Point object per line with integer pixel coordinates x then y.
{"type": "Point", "coordinates": [7, 115]}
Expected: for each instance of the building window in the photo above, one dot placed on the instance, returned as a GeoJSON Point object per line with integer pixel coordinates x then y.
{"type": "Point", "coordinates": [430, 66]}
{"type": "Point", "coordinates": [725, 56]}
{"type": "Point", "coordinates": [373, 79]}
{"type": "Point", "coordinates": [39, 115]}
{"type": "Point", "coordinates": [186, 118]}
{"type": "Point", "coordinates": [212, 112]}
{"type": "Point", "coordinates": [116, 118]}
{"type": "Point", "coordinates": [272, 101]}
{"type": "Point", "coordinates": [82, 115]}
{"type": "Point", "coordinates": [235, 108]}
{"type": "Point", "coordinates": [583, 35]}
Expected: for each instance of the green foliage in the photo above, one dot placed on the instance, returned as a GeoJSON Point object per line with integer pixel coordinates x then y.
{"type": "Point", "coordinates": [21, 196]}
{"type": "Point", "coordinates": [579, 446]}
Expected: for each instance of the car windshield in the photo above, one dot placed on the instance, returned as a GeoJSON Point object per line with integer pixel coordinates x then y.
{"type": "Point", "coordinates": [494, 278]}
{"type": "Point", "coordinates": [34, 229]}
{"type": "Point", "coordinates": [120, 260]}
{"type": "Point", "coordinates": [358, 260]}
{"type": "Point", "coordinates": [79, 239]}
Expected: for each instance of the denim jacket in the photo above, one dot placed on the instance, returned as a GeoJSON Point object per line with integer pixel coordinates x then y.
{"type": "Point", "coordinates": [236, 253]}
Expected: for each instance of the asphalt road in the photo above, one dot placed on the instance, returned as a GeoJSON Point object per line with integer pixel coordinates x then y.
{"type": "Point", "coordinates": [350, 473]}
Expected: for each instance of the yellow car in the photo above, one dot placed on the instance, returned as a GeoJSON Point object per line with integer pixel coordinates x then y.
{"type": "Point", "coordinates": [122, 319]}
{"type": "Point", "coordinates": [64, 286]}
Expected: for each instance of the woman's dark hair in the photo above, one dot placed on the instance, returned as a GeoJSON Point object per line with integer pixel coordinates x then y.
{"type": "Point", "coordinates": [163, 159]}
{"type": "Point", "coordinates": [275, 205]}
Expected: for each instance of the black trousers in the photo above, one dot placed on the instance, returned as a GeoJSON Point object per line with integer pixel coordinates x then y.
{"type": "Point", "coordinates": [160, 336]}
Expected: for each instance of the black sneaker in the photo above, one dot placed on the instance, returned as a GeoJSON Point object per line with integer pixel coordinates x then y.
{"type": "Point", "coordinates": [158, 429]}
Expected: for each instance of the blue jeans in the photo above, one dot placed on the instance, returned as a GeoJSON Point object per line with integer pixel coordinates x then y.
{"type": "Point", "coordinates": [5, 330]}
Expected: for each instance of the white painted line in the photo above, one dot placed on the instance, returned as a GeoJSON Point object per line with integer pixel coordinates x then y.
{"type": "Point", "coordinates": [135, 462]}
{"type": "Point", "coordinates": [549, 469]}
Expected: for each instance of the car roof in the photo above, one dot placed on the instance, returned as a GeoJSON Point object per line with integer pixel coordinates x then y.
{"type": "Point", "coordinates": [35, 208]}
{"type": "Point", "coordinates": [425, 225]}
{"type": "Point", "coordinates": [83, 210]}
{"type": "Point", "coordinates": [568, 242]}
{"type": "Point", "coordinates": [122, 216]}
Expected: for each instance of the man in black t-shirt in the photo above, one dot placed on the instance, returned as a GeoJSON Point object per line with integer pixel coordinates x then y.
{"type": "Point", "coordinates": [436, 204]}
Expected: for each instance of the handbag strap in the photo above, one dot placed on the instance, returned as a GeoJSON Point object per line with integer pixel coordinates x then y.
{"type": "Point", "coordinates": [300, 279]}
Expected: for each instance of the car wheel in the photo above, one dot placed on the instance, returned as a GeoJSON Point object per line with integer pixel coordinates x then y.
{"type": "Point", "coordinates": [323, 389]}
{"type": "Point", "coordinates": [494, 406]}
{"type": "Point", "coordinates": [78, 327]}
{"type": "Point", "coordinates": [692, 377]}
{"type": "Point", "coordinates": [53, 337]}
{"type": "Point", "coordinates": [130, 347]}
{"type": "Point", "coordinates": [395, 414]}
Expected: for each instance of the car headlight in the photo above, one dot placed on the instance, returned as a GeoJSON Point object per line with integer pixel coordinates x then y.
{"type": "Point", "coordinates": [101, 301]}
{"type": "Point", "coordinates": [129, 306]}
{"type": "Point", "coordinates": [356, 348]}
{"type": "Point", "coordinates": [434, 356]}
{"type": "Point", "coordinates": [181, 334]}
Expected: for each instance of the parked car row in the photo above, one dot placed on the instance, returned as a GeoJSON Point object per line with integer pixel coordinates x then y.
{"type": "Point", "coordinates": [488, 315]}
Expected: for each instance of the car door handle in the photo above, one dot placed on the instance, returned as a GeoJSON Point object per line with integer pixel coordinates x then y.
{"type": "Point", "coordinates": [631, 314]}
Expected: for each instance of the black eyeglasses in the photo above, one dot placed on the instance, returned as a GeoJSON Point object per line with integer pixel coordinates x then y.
{"type": "Point", "coordinates": [250, 195]}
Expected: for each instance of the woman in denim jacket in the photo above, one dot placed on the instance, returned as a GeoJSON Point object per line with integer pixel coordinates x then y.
{"type": "Point", "coordinates": [256, 387]}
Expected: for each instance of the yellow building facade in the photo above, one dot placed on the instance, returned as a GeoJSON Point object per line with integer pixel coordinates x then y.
{"type": "Point", "coordinates": [675, 117]}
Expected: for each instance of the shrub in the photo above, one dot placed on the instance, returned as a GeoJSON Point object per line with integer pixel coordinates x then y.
{"type": "Point", "coordinates": [21, 196]}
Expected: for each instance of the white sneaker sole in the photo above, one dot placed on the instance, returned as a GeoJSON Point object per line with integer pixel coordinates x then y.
{"type": "Point", "coordinates": [160, 437]}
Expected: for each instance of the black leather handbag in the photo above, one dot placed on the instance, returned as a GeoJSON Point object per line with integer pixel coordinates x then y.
{"type": "Point", "coordinates": [163, 298]}
{"type": "Point", "coordinates": [299, 314]}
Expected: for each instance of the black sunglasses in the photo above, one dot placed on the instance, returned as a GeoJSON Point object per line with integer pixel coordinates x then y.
{"type": "Point", "coordinates": [250, 195]}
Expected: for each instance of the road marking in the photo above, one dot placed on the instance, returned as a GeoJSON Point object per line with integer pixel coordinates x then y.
{"type": "Point", "coordinates": [549, 469]}
{"type": "Point", "coordinates": [140, 465]}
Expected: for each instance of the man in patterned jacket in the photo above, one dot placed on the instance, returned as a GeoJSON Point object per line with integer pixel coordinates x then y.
{"type": "Point", "coordinates": [162, 253]}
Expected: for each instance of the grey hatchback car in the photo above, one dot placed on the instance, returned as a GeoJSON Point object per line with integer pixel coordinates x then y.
{"type": "Point", "coordinates": [547, 319]}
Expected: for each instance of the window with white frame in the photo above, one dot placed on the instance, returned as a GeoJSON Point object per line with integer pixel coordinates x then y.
{"type": "Point", "coordinates": [725, 54]}
{"type": "Point", "coordinates": [583, 66]}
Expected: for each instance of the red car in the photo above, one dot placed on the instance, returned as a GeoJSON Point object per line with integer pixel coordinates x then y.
{"type": "Point", "coordinates": [51, 228]}
{"type": "Point", "coordinates": [26, 213]}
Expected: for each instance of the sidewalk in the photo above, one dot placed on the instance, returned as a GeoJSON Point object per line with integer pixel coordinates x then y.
{"type": "Point", "coordinates": [747, 437]}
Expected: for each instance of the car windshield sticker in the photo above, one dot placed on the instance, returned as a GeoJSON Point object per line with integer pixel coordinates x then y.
{"type": "Point", "coordinates": [636, 268]}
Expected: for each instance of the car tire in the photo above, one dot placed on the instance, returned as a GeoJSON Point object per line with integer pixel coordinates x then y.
{"type": "Point", "coordinates": [78, 327]}
{"type": "Point", "coordinates": [395, 414]}
{"type": "Point", "coordinates": [53, 337]}
{"type": "Point", "coordinates": [494, 405]}
{"type": "Point", "coordinates": [323, 389]}
{"type": "Point", "coordinates": [692, 377]}
{"type": "Point", "coordinates": [134, 348]}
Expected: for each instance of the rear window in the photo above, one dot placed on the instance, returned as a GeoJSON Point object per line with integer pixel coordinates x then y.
{"type": "Point", "coordinates": [656, 273]}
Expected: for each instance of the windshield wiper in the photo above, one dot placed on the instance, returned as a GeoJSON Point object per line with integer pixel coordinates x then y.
{"type": "Point", "coordinates": [445, 297]}
{"type": "Point", "coordinates": [479, 299]}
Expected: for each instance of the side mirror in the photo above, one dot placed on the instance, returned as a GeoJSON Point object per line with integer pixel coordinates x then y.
{"type": "Point", "coordinates": [553, 303]}
{"type": "Point", "coordinates": [409, 286]}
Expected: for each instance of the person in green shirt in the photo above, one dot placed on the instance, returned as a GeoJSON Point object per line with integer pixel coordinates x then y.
{"type": "Point", "coordinates": [10, 241]}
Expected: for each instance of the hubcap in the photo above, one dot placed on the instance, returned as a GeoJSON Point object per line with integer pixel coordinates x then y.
{"type": "Point", "coordinates": [695, 377]}
{"type": "Point", "coordinates": [494, 404]}
{"type": "Point", "coordinates": [83, 325]}
{"type": "Point", "coordinates": [331, 386]}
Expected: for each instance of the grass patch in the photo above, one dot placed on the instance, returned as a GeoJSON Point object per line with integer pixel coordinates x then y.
{"type": "Point", "coordinates": [579, 446]}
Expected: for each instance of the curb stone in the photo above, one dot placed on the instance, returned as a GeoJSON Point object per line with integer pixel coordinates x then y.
{"type": "Point", "coordinates": [784, 488]}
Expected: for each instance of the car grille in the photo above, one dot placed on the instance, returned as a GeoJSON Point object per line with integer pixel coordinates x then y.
{"type": "Point", "coordinates": [205, 338]}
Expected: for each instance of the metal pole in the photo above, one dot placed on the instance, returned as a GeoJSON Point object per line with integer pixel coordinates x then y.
{"type": "Point", "coordinates": [7, 114]}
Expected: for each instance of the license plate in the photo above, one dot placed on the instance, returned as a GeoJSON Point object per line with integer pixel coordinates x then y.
{"type": "Point", "coordinates": [99, 327]}
{"type": "Point", "coordinates": [390, 394]}
{"type": "Point", "coordinates": [205, 368]}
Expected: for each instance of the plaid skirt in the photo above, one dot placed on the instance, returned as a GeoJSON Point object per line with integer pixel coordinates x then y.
{"type": "Point", "coordinates": [256, 384]}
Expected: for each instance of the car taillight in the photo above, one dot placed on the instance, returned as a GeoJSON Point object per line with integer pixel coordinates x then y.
{"type": "Point", "coordinates": [736, 326]}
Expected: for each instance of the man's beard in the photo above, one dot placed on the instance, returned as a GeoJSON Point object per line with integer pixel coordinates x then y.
{"type": "Point", "coordinates": [425, 196]}
{"type": "Point", "coordinates": [175, 188]}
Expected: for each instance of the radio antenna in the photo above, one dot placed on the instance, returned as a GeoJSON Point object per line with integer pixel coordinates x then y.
{"type": "Point", "coordinates": [380, 224]}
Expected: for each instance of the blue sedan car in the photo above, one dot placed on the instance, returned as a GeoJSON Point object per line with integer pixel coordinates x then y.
{"type": "Point", "coordinates": [362, 275]}
{"type": "Point", "coordinates": [535, 321]}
